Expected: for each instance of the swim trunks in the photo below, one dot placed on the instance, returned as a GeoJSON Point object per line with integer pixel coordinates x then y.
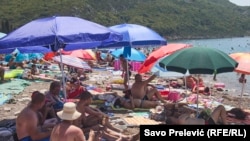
{"type": "Point", "coordinates": [210, 121]}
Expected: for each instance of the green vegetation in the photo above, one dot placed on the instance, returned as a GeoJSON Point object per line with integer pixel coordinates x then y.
{"type": "Point", "coordinates": [173, 19]}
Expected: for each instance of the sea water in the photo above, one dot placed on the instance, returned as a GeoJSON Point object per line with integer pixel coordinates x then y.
{"type": "Point", "coordinates": [227, 45]}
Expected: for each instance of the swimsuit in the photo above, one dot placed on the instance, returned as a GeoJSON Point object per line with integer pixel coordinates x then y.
{"type": "Point", "coordinates": [28, 138]}
{"type": "Point", "coordinates": [210, 121]}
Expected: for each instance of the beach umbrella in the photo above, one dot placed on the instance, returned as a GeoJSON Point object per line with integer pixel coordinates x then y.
{"type": "Point", "coordinates": [136, 55]}
{"type": "Point", "coordinates": [2, 35]}
{"type": "Point", "coordinates": [58, 32]}
{"type": "Point", "coordinates": [159, 53]}
{"type": "Point", "coordinates": [80, 53]}
{"type": "Point", "coordinates": [244, 67]}
{"type": "Point", "coordinates": [199, 60]}
{"type": "Point", "coordinates": [72, 61]}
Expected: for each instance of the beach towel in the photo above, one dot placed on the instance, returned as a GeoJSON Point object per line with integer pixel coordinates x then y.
{"type": "Point", "coordinates": [124, 109]}
{"type": "Point", "coordinates": [140, 120]}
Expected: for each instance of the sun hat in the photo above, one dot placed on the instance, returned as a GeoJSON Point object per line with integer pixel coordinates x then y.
{"type": "Point", "coordinates": [69, 112]}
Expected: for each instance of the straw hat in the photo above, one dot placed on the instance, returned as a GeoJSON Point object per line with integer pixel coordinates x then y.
{"type": "Point", "coordinates": [69, 112]}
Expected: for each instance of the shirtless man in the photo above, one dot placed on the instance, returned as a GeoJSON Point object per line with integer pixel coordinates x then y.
{"type": "Point", "coordinates": [218, 115]}
{"type": "Point", "coordinates": [140, 89]}
{"type": "Point", "coordinates": [125, 71]}
{"type": "Point", "coordinates": [97, 120]}
{"type": "Point", "coordinates": [65, 131]}
{"type": "Point", "coordinates": [27, 121]}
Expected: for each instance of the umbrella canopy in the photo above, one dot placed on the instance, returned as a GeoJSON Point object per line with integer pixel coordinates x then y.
{"type": "Point", "coordinates": [159, 53]}
{"type": "Point", "coordinates": [134, 34]}
{"type": "Point", "coordinates": [58, 31]}
{"type": "Point", "coordinates": [244, 62]}
{"type": "Point", "coordinates": [136, 55]}
{"type": "Point", "coordinates": [32, 49]}
{"type": "Point", "coordinates": [199, 60]}
{"type": "Point", "coordinates": [244, 68]}
{"type": "Point", "coordinates": [80, 53]}
{"type": "Point", "coordinates": [72, 61]}
{"type": "Point", "coordinates": [2, 35]}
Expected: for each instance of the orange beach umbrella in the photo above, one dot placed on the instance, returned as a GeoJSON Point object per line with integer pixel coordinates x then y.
{"type": "Point", "coordinates": [159, 53]}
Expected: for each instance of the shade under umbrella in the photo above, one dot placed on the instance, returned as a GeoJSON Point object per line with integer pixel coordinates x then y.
{"type": "Point", "coordinates": [72, 61]}
{"type": "Point", "coordinates": [199, 60]}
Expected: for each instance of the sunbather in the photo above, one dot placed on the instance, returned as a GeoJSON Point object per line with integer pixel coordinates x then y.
{"type": "Point", "coordinates": [65, 131]}
{"type": "Point", "coordinates": [27, 121]}
{"type": "Point", "coordinates": [96, 119]}
{"type": "Point", "coordinates": [141, 91]}
{"type": "Point", "coordinates": [74, 88]}
{"type": "Point", "coordinates": [53, 97]}
{"type": "Point", "coordinates": [132, 103]}
{"type": "Point", "coordinates": [218, 115]}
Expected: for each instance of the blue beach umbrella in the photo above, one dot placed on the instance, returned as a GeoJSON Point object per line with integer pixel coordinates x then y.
{"type": "Point", "coordinates": [136, 35]}
{"type": "Point", "coordinates": [59, 32]}
{"type": "Point", "coordinates": [136, 55]}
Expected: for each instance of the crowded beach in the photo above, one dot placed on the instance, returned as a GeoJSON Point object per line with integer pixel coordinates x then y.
{"type": "Point", "coordinates": [107, 98]}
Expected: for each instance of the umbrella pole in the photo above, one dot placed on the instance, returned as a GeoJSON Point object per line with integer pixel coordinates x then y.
{"type": "Point", "coordinates": [63, 80]}
{"type": "Point", "coordinates": [197, 97]}
{"type": "Point", "coordinates": [242, 91]}
{"type": "Point", "coordinates": [127, 74]}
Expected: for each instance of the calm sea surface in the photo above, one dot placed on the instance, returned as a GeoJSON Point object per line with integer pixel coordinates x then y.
{"type": "Point", "coordinates": [228, 45]}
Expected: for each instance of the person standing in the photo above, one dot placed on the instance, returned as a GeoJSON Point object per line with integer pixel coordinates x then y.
{"type": "Point", "coordinates": [126, 73]}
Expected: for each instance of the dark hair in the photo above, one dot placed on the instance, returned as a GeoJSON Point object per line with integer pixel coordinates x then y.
{"type": "Point", "coordinates": [118, 103]}
{"type": "Point", "coordinates": [54, 84]}
{"type": "Point", "coordinates": [73, 80]}
{"type": "Point", "coordinates": [85, 95]}
{"type": "Point", "coordinates": [239, 113]}
{"type": "Point", "coordinates": [121, 56]}
{"type": "Point", "coordinates": [37, 97]}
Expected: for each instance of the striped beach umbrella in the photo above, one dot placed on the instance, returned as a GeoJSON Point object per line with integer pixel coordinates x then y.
{"type": "Point", "coordinates": [72, 61]}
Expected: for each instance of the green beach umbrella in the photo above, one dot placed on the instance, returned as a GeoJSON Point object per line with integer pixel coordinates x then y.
{"type": "Point", "coordinates": [199, 60]}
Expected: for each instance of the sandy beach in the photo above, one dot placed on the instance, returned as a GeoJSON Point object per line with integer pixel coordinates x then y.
{"type": "Point", "coordinates": [19, 101]}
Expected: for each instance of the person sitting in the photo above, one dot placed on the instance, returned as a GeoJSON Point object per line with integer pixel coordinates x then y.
{"type": "Point", "coordinates": [65, 131]}
{"type": "Point", "coordinates": [141, 91]}
{"type": "Point", "coordinates": [194, 83]}
{"type": "Point", "coordinates": [46, 115]}
{"type": "Point", "coordinates": [53, 96]}
{"type": "Point", "coordinates": [218, 115]}
{"type": "Point", "coordinates": [93, 118]}
{"type": "Point", "coordinates": [34, 70]}
{"type": "Point", "coordinates": [27, 121]}
{"type": "Point", "coordinates": [82, 75]}
{"type": "Point", "coordinates": [132, 103]}
{"type": "Point", "coordinates": [74, 88]}
{"type": "Point", "coordinates": [12, 64]}
{"type": "Point", "coordinates": [2, 71]}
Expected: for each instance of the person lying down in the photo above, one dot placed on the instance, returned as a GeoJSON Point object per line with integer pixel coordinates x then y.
{"type": "Point", "coordinates": [132, 103]}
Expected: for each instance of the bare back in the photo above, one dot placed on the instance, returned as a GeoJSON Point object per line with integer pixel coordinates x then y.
{"type": "Point", "coordinates": [26, 119]}
{"type": "Point", "coordinates": [67, 132]}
